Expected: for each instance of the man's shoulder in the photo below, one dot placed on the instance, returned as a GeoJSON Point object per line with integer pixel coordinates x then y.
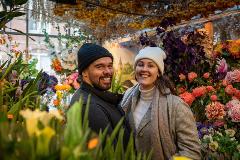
{"type": "Point", "coordinates": [79, 94]}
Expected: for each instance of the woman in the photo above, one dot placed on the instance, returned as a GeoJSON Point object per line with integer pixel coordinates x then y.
{"type": "Point", "coordinates": [161, 121]}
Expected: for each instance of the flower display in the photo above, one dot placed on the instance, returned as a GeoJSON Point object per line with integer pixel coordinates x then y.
{"type": "Point", "coordinates": [233, 108]}
{"type": "Point", "coordinates": [72, 80]}
{"type": "Point", "coordinates": [215, 110]}
{"type": "Point", "coordinates": [230, 48]}
{"type": "Point", "coordinates": [215, 102]}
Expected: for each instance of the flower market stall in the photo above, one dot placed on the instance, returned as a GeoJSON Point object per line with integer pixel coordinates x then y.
{"type": "Point", "coordinates": [202, 43]}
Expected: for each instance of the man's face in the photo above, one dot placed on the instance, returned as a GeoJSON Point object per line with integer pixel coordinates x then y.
{"type": "Point", "coordinates": [99, 73]}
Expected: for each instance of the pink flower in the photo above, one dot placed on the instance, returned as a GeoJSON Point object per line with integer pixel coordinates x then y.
{"type": "Point", "coordinates": [237, 94]}
{"type": "Point", "coordinates": [210, 88]}
{"type": "Point", "coordinates": [206, 75]}
{"type": "Point", "coordinates": [199, 91]}
{"type": "Point", "coordinates": [230, 90]}
{"type": "Point", "coordinates": [234, 113]}
{"type": "Point", "coordinates": [232, 103]}
{"type": "Point", "coordinates": [76, 85]}
{"type": "Point", "coordinates": [221, 66]}
{"type": "Point", "coordinates": [213, 97]}
{"type": "Point", "coordinates": [215, 110]}
{"type": "Point", "coordinates": [192, 76]}
{"type": "Point", "coordinates": [218, 123]}
{"type": "Point", "coordinates": [233, 76]}
{"type": "Point", "coordinates": [224, 83]}
{"type": "Point", "coordinates": [187, 97]}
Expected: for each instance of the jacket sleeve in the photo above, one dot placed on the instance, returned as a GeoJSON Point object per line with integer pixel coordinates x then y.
{"type": "Point", "coordinates": [188, 143]}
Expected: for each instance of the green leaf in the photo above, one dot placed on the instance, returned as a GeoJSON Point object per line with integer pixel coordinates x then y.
{"type": "Point", "coordinates": [20, 2]}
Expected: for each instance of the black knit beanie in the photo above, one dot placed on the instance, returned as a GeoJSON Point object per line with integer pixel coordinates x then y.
{"type": "Point", "coordinates": [88, 53]}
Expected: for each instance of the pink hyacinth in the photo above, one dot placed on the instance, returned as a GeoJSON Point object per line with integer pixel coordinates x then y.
{"type": "Point", "coordinates": [233, 76]}
{"type": "Point", "coordinates": [221, 66]}
{"type": "Point", "coordinates": [233, 108]}
{"type": "Point", "coordinates": [232, 103]}
{"type": "Point", "coordinates": [234, 113]}
{"type": "Point", "coordinates": [215, 110]}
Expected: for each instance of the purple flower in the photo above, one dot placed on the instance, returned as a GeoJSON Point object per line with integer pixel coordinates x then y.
{"type": "Point", "coordinates": [203, 129]}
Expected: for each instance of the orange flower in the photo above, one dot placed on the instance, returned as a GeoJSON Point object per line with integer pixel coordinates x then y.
{"type": "Point", "coordinates": [67, 87]}
{"type": "Point", "coordinates": [192, 76]}
{"type": "Point", "coordinates": [56, 64]}
{"type": "Point", "coordinates": [187, 97]}
{"type": "Point", "coordinates": [93, 143]}
{"type": "Point", "coordinates": [206, 75]}
{"type": "Point", "coordinates": [230, 90]}
{"type": "Point", "coordinates": [56, 102]}
{"type": "Point", "coordinates": [58, 87]}
{"type": "Point", "coordinates": [224, 83]}
{"type": "Point", "coordinates": [10, 116]}
{"type": "Point", "coordinates": [2, 41]}
{"type": "Point", "coordinates": [182, 77]}
{"type": "Point", "coordinates": [215, 110]}
{"type": "Point", "coordinates": [199, 91]}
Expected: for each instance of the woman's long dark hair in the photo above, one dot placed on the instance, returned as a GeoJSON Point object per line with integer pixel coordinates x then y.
{"type": "Point", "coordinates": [164, 80]}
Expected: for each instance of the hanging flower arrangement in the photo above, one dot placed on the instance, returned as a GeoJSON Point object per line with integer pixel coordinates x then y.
{"type": "Point", "coordinates": [65, 62]}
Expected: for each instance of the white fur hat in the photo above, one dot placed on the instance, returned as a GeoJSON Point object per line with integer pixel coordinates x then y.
{"type": "Point", "coordinates": [156, 54]}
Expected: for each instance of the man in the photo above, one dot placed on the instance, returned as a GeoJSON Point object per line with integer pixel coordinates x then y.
{"type": "Point", "coordinates": [95, 67]}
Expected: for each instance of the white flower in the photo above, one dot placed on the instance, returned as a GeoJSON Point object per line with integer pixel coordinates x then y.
{"type": "Point", "coordinates": [71, 57]}
{"type": "Point", "coordinates": [208, 137]}
{"type": "Point", "coordinates": [230, 132]}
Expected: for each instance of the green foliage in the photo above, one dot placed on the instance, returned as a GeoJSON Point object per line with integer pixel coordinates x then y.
{"type": "Point", "coordinates": [15, 97]}
{"type": "Point", "coordinates": [70, 141]}
{"type": "Point", "coordinates": [10, 12]}
{"type": "Point", "coordinates": [127, 68]}
{"type": "Point", "coordinates": [116, 86]}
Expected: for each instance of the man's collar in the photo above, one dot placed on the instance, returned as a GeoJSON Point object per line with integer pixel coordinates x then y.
{"type": "Point", "coordinates": [104, 95]}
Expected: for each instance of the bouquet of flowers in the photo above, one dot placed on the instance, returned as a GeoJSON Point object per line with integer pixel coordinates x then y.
{"type": "Point", "coordinates": [65, 62]}
{"type": "Point", "coordinates": [216, 106]}
{"type": "Point", "coordinates": [230, 50]}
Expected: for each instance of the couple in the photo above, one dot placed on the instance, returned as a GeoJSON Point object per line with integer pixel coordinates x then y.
{"type": "Point", "coordinates": [158, 119]}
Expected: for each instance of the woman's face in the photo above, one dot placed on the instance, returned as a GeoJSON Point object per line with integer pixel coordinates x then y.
{"type": "Point", "coordinates": [146, 73]}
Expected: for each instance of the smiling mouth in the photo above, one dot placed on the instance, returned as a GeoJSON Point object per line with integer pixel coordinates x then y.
{"type": "Point", "coordinates": [143, 75]}
{"type": "Point", "coordinates": [106, 79]}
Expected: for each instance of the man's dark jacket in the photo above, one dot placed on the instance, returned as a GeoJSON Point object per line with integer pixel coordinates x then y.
{"type": "Point", "coordinates": [104, 110]}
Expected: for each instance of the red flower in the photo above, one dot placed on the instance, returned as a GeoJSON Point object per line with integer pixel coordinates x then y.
{"type": "Point", "coordinates": [210, 88]}
{"type": "Point", "coordinates": [199, 91]}
{"type": "Point", "coordinates": [213, 97]}
{"type": "Point", "coordinates": [187, 97]}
